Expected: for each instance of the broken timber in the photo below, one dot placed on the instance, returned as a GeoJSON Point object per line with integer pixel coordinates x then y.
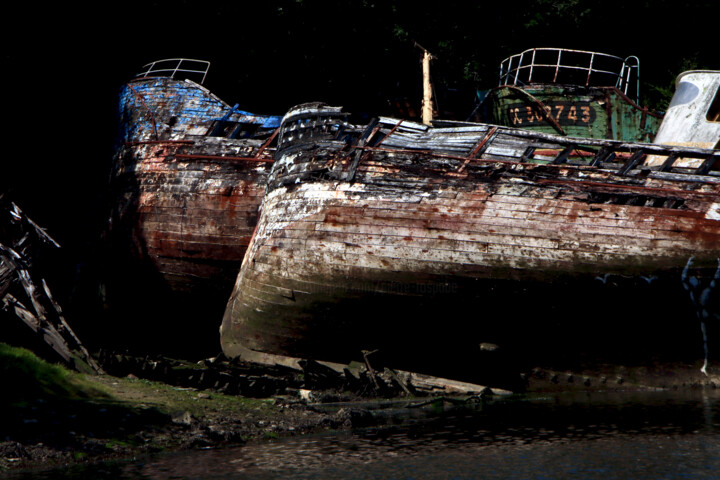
{"type": "Point", "coordinates": [19, 242]}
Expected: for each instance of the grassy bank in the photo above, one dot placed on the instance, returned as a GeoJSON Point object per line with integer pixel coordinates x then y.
{"type": "Point", "coordinates": [29, 378]}
{"type": "Point", "coordinates": [52, 416]}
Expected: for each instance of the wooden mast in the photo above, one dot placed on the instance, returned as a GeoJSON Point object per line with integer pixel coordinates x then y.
{"type": "Point", "coordinates": [427, 106]}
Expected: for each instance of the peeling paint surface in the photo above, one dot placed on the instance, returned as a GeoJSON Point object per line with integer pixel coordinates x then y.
{"type": "Point", "coordinates": [187, 181]}
{"type": "Point", "coordinates": [593, 112]}
{"type": "Point", "coordinates": [408, 244]}
{"type": "Point", "coordinates": [693, 117]}
{"type": "Point", "coordinates": [571, 92]}
{"type": "Point", "coordinates": [714, 212]}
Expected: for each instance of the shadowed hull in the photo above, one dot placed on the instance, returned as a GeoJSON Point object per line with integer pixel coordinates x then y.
{"type": "Point", "coordinates": [179, 232]}
{"type": "Point", "coordinates": [425, 268]}
{"type": "Point", "coordinates": [186, 185]}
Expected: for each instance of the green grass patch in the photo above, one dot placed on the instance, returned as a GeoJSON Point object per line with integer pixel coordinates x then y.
{"type": "Point", "coordinates": [27, 377]}
{"type": "Point", "coordinates": [171, 399]}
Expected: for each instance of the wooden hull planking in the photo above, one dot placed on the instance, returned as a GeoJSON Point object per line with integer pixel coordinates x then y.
{"type": "Point", "coordinates": [186, 184]}
{"type": "Point", "coordinates": [418, 248]}
{"type": "Point", "coordinates": [192, 219]}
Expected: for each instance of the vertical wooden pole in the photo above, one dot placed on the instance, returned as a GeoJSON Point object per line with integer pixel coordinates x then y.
{"type": "Point", "coordinates": [427, 107]}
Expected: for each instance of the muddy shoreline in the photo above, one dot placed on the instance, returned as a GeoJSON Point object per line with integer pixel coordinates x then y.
{"type": "Point", "coordinates": [150, 406]}
{"type": "Point", "coordinates": [141, 418]}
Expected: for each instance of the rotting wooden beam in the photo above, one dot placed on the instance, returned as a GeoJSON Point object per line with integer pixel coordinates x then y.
{"type": "Point", "coordinates": [44, 316]}
{"type": "Point", "coordinates": [267, 143]}
{"type": "Point", "coordinates": [482, 144]}
{"type": "Point", "coordinates": [223, 157]}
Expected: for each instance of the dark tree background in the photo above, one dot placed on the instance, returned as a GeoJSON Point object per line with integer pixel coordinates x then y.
{"type": "Point", "coordinates": [64, 65]}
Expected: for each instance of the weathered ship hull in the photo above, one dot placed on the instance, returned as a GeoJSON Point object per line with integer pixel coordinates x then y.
{"type": "Point", "coordinates": [428, 244]}
{"type": "Point", "coordinates": [593, 112]}
{"type": "Point", "coordinates": [571, 92]}
{"type": "Point", "coordinates": [186, 185]}
{"type": "Point", "coordinates": [189, 217]}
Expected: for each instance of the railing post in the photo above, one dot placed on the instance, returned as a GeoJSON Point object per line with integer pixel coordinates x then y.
{"type": "Point", "coordinates": [177, 67]}
{"type": "Point", "coordinates": [532, 65]}
{"type": "Point", "coordinates": [592, 62]}
{"type": "Point", "coordinates": [557, 65]}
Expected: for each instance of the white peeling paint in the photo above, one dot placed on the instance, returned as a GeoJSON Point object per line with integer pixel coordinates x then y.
{"type": "Point", "coordinates": [713, 212]}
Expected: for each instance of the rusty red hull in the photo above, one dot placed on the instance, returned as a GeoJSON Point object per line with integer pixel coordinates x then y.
{"type": "Point", "coordinates": [186, 185]}
{"type": "Point", "coordinates": [189, 218]}
{"type": "Point", "coordinates": [425, 255]}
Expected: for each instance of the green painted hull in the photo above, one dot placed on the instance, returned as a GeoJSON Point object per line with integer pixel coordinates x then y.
{"type": "Point", "coordinates": [589, 112]}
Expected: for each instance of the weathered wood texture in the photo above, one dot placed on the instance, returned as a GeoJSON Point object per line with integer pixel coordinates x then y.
{"type": "Point", "coordinates": [570, 92]}
{"type": "Point", "coordinates": [192, 218]}
{"type": "Point", "coordinates": [21, 244]}
{"type": "Point", "coordinates": [595, 112]}
{"type": "Point", "coordinates": [441, 238]}
{"type": "Point", "coordinates": [186, 184]}
{"type": "Point", "coordinates": [187, 199]}
{"type": "Point", "coordinates": [159, 108]}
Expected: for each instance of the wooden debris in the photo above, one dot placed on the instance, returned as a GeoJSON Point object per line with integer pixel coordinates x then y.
{"type": "Point", "coordinates": [315, 380]}
{"type": "Point", "coordinates": [434, 385]}
{"type": "Point", "coordinates": [20, 238]}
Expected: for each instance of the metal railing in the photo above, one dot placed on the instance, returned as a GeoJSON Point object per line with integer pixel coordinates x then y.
{"type": "Point", "coordinates": [171, 67]}
{"type": "Point", "coordinates": [577, 67]}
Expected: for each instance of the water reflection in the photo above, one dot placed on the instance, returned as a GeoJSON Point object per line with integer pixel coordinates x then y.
{"type": "Point", "coordinates": [634, 436]}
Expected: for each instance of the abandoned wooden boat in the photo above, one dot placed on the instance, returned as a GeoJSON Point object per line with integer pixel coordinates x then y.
{"type": "Point", "coordinates": [571, 92]}
{"type": "Point", "coordinates": [186, 183]}
{"type": "Point", "coordinates": [437, 245]}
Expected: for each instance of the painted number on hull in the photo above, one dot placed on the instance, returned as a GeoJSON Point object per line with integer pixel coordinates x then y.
{"type": "Point", "coordinates": [565, 113]}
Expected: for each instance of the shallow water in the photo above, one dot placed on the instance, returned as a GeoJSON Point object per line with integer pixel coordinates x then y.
{"type": "Point", "coordinates": [657, 435]}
